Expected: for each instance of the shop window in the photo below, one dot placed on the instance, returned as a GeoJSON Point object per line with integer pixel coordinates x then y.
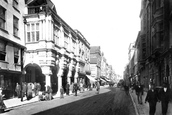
{"type": "Point", "coordinates": [2, 50]}
{"type": "Point", "coordinates": [16, 55]}
{"type": "Point", "coordinates": [15, 26]}
{"type": "Point", "coordinates": [33, 34]}
{"type": "Point", "coordinates": [2, 17]}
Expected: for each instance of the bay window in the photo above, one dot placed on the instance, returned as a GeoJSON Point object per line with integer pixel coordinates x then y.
{"type": "Point", "coordinates": [33, 34]}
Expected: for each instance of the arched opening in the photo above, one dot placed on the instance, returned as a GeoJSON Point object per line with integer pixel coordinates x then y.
{"type": "Point", "coordinates": [64, 78]}
{"type": "Point", "coordinates": [34, 74]}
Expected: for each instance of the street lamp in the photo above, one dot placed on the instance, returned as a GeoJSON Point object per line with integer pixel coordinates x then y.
{"type": "Point", "coordinates": [22, 54]}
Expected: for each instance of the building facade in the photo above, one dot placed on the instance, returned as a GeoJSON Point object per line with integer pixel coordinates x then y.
{"type": "Point", "coordinates": [84, 58]}
{"type": "Point", "coordinates": [95, 61]}
{"type": "Point", "coordinates": [53, 56]}
{"type": "Point", "coordinates": [11, 45]}
{"type": "Point", "coordinates": [155, 64]}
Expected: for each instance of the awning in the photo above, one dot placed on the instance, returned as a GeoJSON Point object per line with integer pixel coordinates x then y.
{"type": "Point", "coordinates": [91, 78]}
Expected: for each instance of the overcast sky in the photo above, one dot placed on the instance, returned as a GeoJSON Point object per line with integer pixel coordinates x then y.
{"type": "Point", "coordinates": [110, 24]}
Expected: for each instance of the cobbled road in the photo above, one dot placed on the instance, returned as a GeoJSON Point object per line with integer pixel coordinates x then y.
{"type": "Point", "coordinates": [110, 101]}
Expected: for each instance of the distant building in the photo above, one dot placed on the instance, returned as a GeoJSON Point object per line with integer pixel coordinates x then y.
{"type": "Point", "coordinates": [95, 61]}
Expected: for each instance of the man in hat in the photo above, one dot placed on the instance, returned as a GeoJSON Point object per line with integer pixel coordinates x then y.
{"type": "Point", "coordinates": [152, 98]}
{"type": "Point", "coordinates": [164, 98]}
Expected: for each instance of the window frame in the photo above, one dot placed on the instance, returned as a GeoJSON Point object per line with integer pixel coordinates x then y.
{"type": "Point", "coordinates": [15, 26]}
{"type": "Point", "coordinates": [3, 18]}
{"type": "Point", "coordinates": [16, 54]}
{"type": "Point", "coordinates": [3, 51]}
{"type": "Point", "coordinates": [16, 5]}
{"type": "Point", "coordinates": [32, 31]}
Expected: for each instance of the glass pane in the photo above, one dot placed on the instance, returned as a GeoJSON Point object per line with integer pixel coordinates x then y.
{"type": "Point", "coordinates": [15, 3]}
{"type": "Point", "coordinates": [28, 27]}
{"type": "Point", "coordinates": [15, 31]}
{"type": "Point", "coordinates": [33, 27]}
{"type": "Point", "coordinates": [28, 36]}
{"type": "Point", "coordinates": [37, 35]}
{"type": "Point", "coordinates": [33, 36]}
{"type": "Point", "coordinates": [2, 45]}
{"type": "Point", "coordinates": [2, 23]}
{"type": "Point", "coordinates": [2, 12]}
{"type": "Point", "coordinates": [37, 26]}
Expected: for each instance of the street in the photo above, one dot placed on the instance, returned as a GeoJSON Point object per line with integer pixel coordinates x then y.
{"type": "Point", "coordinates": [110, 101]}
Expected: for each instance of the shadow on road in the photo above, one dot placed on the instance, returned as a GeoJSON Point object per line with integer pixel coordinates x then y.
{"type": "Point", "coordinates": [108, 103]}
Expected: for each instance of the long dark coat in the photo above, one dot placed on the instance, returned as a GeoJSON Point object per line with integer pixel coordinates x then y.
{"type": "Point", "coordinates": [164, 98]}
{"type": "Point", "coordinates": [152, 98]}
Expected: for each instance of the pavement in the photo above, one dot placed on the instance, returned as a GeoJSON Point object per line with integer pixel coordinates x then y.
{"type": "Point", "coordinates": [16, 102]}
{"type": "Point", "coordinates": [143, 109]}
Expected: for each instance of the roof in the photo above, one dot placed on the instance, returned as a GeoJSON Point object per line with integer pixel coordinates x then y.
{"type": "Point", "coordinates": [41, 2]}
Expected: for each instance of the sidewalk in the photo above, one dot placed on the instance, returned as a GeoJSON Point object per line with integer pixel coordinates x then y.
{"type": "Point", "coordinates": [143, 109]}
{"type": "Point", "coordinates": [16, 102]}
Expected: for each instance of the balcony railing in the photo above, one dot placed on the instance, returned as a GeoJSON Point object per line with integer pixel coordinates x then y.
{"type": "Point", "coordinates": [37, 9]}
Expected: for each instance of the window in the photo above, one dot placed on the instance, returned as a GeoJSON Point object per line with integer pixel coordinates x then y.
{"type": "Point", "coordinates": [65, 41]}
{"type": "Point", "coordinates": [15, 26]}
{"type": "Point", "coordinates": [2, 50]}
{"type": "Point", "coordinates": [16, 55]}
{"type": "Point", "coordinates": [2, 17]}
{"type": "Point", "coordinates": [33, 32]}
{"type": "Point", "coordinates": [56, 35]}
{"type": "Point", "coordinates": [73, 44]}
{"type": "Point", "coordinates": [15, 4]}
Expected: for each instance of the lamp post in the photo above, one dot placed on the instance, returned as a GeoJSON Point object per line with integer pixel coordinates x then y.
{"type": "Point", "coordinates": [22, 68]}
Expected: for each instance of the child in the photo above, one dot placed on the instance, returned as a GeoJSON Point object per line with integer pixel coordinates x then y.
{"type": "Point", "coordinates": [61, 92]}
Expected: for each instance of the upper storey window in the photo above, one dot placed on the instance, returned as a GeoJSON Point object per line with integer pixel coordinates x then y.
{"type": "Point", "coordinates": [15, 4]}
{"type": "Point", "coordinates": [2, 50]}
{"type": "Point", "coordinates": [33, 32]}
{"type": "Point", "coordinates": [2, 17]}
{"type": "Point", "coordinates": [15, 26]}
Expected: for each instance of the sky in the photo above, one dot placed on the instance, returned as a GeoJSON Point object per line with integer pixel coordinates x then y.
{"type": "Point", "coordinates": [110, 24]}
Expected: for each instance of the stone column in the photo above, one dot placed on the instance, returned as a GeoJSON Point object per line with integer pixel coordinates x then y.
{"type": "Point", "coordinates": [47, 72]}
{"type": "Point", "coordinates": [76, 73]}
{"type": "Point", "coordinates": [60, 74]}
{"type": "Point", "coordinates": [70, 72]}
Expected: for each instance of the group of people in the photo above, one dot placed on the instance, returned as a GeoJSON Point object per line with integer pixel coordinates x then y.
{"type": "Point", "coordinates": [45, 95]}
{"type": "Point", "coordinates": [75, 87]}
{"type": "Point", "coordinates": [153, 96]}
{"type": "Point", "coordinates": [29, 90]}
{"type": "Point", "coordinates": [162, 95]}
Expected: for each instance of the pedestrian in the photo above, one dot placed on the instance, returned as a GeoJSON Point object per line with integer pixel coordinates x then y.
{"type": "Point", "coordinates": [67, 88]}
{"type": "Point", "coordinates": [18, 90]}
{"type": "Point", "coordinates": [71, 88]}
{"type": "Point", "coordinates": [61, 92]}
{"type": "Point", "coordinates": [75, 87]}
{"type": "Point", "coordinates": [23, 89]}
{"type": "Point", "coordinates": [2, 105]}
{"type": "Point", "coordinates": [98, 87]}
{"type": "Point", "coordinates": [164, 98]}
{"type": "Point", "coordinates": [152, 98]}
{"type": "Point", "coordinates": [38, 88]}
{"type": "Point", "coordinates": [49, 93]}
{"type": "Point", "coordinates": [35, 88]}
{"type": "Point", "coordinates": [139, 92]}
{"type": "Point", "coordinates": [29, 91]}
